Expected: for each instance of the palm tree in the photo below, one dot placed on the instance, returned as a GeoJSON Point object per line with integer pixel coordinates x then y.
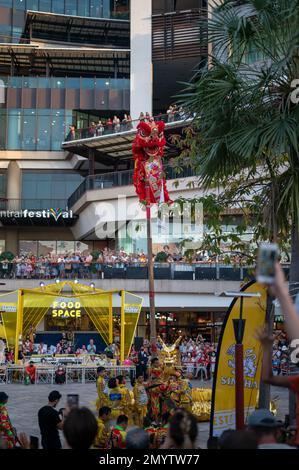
{"type": "Point", "coordinates": [246, 116]}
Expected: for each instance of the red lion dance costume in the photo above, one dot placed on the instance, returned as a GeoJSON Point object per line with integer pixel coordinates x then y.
{"type": "Point", "coordinates": [148, 150]}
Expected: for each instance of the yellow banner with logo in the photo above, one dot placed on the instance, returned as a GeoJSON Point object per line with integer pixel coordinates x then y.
{"type": "Point", "coordinates": [223, 397]}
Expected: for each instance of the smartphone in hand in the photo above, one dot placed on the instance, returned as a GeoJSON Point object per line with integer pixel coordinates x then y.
{"type": "Point", "coordinates": [72, 400]}
{"type": "Point", "coordinates": [33, 442]}
{"type": "Point", "coordinates": [267, 258]}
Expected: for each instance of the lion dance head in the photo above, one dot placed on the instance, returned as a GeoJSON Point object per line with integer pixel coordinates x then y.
{"type": "Point", "coordinates": [148, 151]}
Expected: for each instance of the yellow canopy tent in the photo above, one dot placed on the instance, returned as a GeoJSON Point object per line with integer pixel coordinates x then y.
{"type": "Point", "coordinates": [66, 300]}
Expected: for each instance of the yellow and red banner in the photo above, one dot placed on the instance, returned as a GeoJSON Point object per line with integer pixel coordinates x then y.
{"type": "Point", "coordinates": [223, 396]}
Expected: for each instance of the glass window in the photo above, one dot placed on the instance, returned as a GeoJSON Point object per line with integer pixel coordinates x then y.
{"type": "Point", "coordinates": [96, 9]}
{"type": "Point", "coordinates": [88, 83]}
{"type": "Point", "coordinates": [120, 9]}
{"type": "Point", "coordinates": [28, 247]}
{"type": "Point", "coordinates": [15, 82]}
{"type": "Point", "coordinates": [2, 129]}
{"type": "Point", "coordinates": [83, 8]}
{"type": "Point", "coordinates": [44, 82]}
{"type": "Point", "coordinates": [32, 5]}
{"type": "Point", "coordinates": [44, 130]}
{"type": "Point", "coordinates": [47, 186]}
{"type": "Point", "coordinates": [84, 248]}
{"type": "Point", "coordinates": [58, 6]}
{"type": "Point", "coordinates": [58, 129]}
{"type": "Point", "coordinates": [45, 248]}
{"type": "Point", "coordinates": [19, 4]}
{"type": "Point", "coordinates": [2, 246]}
{"type": "Point", "coordinates": [14, 129]}
{"type": "Point", "coordinates": [100, 83]}
{"type": "Point", "coordinates": [71, 7]}
{"type": "Point", "coordinates": [58, 82]}
{"type": "Point", "coordinates": [73, 82]}
{"type": "Point", "coordinates": [5, 32]}
{"type": "Point", "coordinates": [45, 5]}
{"type": "Point", "coordinates": [29, 129]}
{"type": "Point", "coordinates": [30, 82]}
{"type": "Point", "coordinates": [3, 184]}
{"type": "Point", "coordinates": [16, 33]}
{"type": "Point", "coordinates": [65, 247]}
{"type": "Point", "coordinates": [6, 3]}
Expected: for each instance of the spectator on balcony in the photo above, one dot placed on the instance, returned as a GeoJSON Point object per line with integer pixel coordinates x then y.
{"type": "Point", "coordinates": [68, 267]}
{"type": "Point", "coordinates": [72, 133]}
{"type": "Point", "coordinates": [116, 124]}
{"type": "Point", "coordinates": [109, 125]}
{"type": "Point", "coordinates": [87, 265]}
{"type": "Point", "coordinates": [164, 256]}
{"type": "Point", "coordinates": [170, 114]}
{"type": "Point", "coordinates": [75, 265]}
{"type": "Point", "coordinates": [124, 122]}
{"type": "Point", "coordinates": [92, 130]}
{"type": "Point", "coordinates": [129, 123]}
{"type": "Point", "coordinates": [60, 266]}
{"type": "Point", "coordinates": [5, 268]}
{"type": "Point", "coordinates": [100, 128]}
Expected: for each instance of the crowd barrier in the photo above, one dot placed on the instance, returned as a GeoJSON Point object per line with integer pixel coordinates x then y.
{"type": "Point", "coordinates": [76, 373]}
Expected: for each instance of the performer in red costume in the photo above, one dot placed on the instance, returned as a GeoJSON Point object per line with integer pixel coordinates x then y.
{"type": "Point", "coordinates": [148, 150]}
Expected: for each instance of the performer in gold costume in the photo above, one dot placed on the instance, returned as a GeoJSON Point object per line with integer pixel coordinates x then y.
{"type": "Point", "coordinates": [102, 397]}
{"type": "Point", "coordinates": [182, 395]}
{"type": "Point", "coordinates": [119, 399]}
{"type": "Point", "coordinates": [103, 434]}
{"type": "Point", "coordinates": [140, 401]}
{"type": "Point", "coordinates": [170, 355]}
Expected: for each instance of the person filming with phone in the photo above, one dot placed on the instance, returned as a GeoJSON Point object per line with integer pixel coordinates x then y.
{"type": "Point", "coordinates": [50, 422]}
{"type": "Point", "coordinates": [275, 279]}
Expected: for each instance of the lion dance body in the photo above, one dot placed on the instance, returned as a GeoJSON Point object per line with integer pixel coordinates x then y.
{"type": "Point", "coordinates": [148, 150]}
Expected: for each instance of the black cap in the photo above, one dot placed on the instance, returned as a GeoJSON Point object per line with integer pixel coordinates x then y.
{"type": "Point", "coordinates": [3, 397]}
{"type": "Point", "coordinates": [54, 395]}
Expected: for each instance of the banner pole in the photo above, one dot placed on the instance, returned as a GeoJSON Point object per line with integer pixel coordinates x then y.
{"type": "Point", "coordinates": [19, 326]}
{"type": "Point", "coordinates": [151, 281]}
{"type": "Point", "coordinates": [110, 319]}
{"type": "Point", "coordinates": [122, 327]}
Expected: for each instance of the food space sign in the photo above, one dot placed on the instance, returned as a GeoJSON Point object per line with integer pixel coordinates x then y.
{"type": "Point", "coordinates": [66, 308]}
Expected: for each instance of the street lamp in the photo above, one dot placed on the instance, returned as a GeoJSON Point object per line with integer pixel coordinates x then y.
{"type": "Point", "coordinates": [239, 328]}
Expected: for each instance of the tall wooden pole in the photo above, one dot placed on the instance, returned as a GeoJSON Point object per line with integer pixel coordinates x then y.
{"type": "Point", "coordinates": [151, 281]}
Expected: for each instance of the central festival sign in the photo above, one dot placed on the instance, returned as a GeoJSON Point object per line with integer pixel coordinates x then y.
{"type": "Point", "coordinates": [66, 308]}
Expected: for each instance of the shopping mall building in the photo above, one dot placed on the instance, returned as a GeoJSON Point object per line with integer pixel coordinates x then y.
{"type": "Point", "coordinates": [76, 62]}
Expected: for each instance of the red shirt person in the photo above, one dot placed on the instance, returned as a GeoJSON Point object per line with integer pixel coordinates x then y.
{"type": "Point", "coordinates": [30, 372]}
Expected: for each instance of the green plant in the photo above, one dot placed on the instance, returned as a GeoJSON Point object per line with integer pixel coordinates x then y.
{"type": "Point", "coordinates": [7, 255]}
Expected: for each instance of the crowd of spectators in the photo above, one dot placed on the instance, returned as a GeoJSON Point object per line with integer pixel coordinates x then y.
{"type": "Point", "coordinates": [79, 265]}
{"type": "Point", "coordinates": [120, 124]}
{"type": "Point", "coordinates": [198, 358]}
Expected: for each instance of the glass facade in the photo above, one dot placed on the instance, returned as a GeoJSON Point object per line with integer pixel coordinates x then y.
{"type": "Point", "coordinates": [43, 248]}
{"type": "Point", "coordinates": [76, 83]}
{"type": "Point", "coordinates": [12, 12]}
{"type": "Point", "coordinates": [91, 8]}
{"type": "Point", "coordinates": [48, 186]}
{"type": "Point", "coordinates": [36, 126]}
{"type": "Point", "coordinates": [33, 129]}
